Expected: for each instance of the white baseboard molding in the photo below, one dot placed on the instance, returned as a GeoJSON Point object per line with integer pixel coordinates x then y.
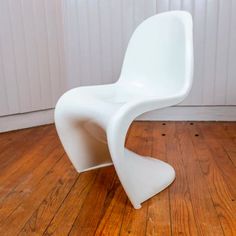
{"type": "Point", "coordinates": [192, 113]}
{"type": "Point", "coordinates": [180, 113]}
{"type": "Point", "coordinates": [26, 120]}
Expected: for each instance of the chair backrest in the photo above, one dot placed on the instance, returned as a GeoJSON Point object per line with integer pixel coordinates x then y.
{"type": "Point", "coordinates": [159, 56]}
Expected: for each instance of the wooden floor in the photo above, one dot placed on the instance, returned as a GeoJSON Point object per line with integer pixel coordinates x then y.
{"type": "Point", "coordinates": [41, 193]}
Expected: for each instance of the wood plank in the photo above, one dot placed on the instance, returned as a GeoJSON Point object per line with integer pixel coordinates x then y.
{"type": "Point", "coordinates": [182, 215]}
{"type": "Point", "coordinates": [204, 210]}
{"type": "Point", "coordinates": [110, 223]}
{"type": "Point", "coordinates": [134, 221]}
{"type": "Point", "coordinates": [14, 150]}
{"type": "Point", "coordinates": [15, 192]}
{"type": "Point", "coordinates": [158, 214]}
{"type": "Point", "coordinates": [8, 140]}
{"type": "Point", "coordinates": [230, 129]}
{"type": "Point", "coordinates": [230, 145]}
{"type": "Point", "coordinates": [112, 218]}
{"type": "Point", "coordinates": [41, 217]}
{"type": "Point", "coordinates": [20, 169]}
{"type": "Point", "coordinates": [66, 215]}
{"type": "Point", "coordinates": [42, 195]}
{"type": "Point", "coordinates": [218, 189]}
{"type": "Point", "coordinates": [228, 140]}
{"type": "Point", "coordinates": [212, 136]}
{"type": "Point", "coordinates": [94, 205]}
{"type": "Point", "coordinates": [14, 222]}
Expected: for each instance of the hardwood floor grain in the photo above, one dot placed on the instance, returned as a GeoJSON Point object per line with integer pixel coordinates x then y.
{"type": "Point", "coordinates": [133, 223]}
{"type": "Point", "coordinates": [64, 219]}
{"type": "Point", "coordinates": [16, 185]}
{"type": "Point", "coordinates": [38, 222]}
{"type": "Point", "coordinates": [112, 218]}
{"type": "Point", "coordinates": [15, 152]}
{"type": "Point", "coordinates": [93, 207]}
{"type": "Point", "coordinates": [182, 214]}
{"type": "Point", "coordinates": [218, 189]}
{"type": "Point", "coordinates": [42, 194]}
{"type": "Point", "coordinates": [158, 214]}
{"type": "Point", "coordinates": [27, 205]}
{"type": "Point", "coordinates": [205, 213]}
{"type": "Point", "coordinates": [221, 157]}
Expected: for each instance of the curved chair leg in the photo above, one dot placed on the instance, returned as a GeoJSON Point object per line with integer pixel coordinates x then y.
{"type": "Point", "coordinates": [85, 148]}
{"type": "Point", "coordinates": [141, 177]}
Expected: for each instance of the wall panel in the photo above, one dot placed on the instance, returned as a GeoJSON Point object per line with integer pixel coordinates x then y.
{"type": "Point", "coordinates": [231, 81]}
{"type": "Point", "coordinates": [214, 37]}
{"type": "Point", "coordinates": [8, 60]}
{"type": "Point", "coordinates": [47, 47]}
{"type": "Point", "coordinates": [223, 37]}
{"type": "Point", "coordinates": [210, 54]}
{"type": "Point", "coordinates": [31, 55]}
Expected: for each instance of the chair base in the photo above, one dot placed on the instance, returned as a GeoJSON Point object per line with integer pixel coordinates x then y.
{"type": "Point", "coordinates": [149, 176]}
{"type": "Point", "coordinates": [143, 177]}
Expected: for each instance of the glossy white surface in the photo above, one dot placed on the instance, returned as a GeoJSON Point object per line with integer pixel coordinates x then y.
{"type": "Point", "coordinates": [92, 121]}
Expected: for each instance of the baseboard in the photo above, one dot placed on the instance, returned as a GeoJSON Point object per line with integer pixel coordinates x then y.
{"type": "Point", "coordinates": [26, 120]}
{"type": "Point", "coordinates": [194, 113]}
{"type": "Point", "coordinates": [180, 113]}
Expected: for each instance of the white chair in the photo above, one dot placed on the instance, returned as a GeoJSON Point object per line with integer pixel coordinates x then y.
{"type": "Point", "coordinates": [92, 121]}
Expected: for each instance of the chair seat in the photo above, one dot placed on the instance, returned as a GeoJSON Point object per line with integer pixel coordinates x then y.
{"type": "Point", "coordinates": [100, 103]}
{"type": "Point", "coordinates": [87, 103]}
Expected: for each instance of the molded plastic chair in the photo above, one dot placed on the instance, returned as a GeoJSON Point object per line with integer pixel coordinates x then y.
{"type": "Point", "coordinates": [92, 121]}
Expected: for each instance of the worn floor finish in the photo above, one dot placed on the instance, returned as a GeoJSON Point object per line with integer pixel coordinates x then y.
{"type": "Point", "coordinates": [41, 193]}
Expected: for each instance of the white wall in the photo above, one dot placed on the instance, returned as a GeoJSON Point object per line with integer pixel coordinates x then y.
{"type": "Point", "coordinates": [98, 32]}
{"type": "Point", "coordinates": [47, 47]}
{"type": "Point", "coordinates": [31, 55]}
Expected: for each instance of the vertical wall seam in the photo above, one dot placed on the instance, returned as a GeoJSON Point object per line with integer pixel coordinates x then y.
{"type": "Point", "coordinates": [101, 62]}
{"type": "Point", "coordinates": [58, 37]}
{"type": "Point", "coordinates": [111, 43]}
{"type": "Point", "coordinates": [216, 48]}
{"type": "Point", "coordinates": [4, 78]}
{"type": "Point", "coordinates": [228, 53]}
{"type": "Point", "coordinates": [14, 54]}
{"type": "Point", "coordinates": [204, 52]}
{"type": "Point", "coordinates": [37, 56]}
{"type": "Point", "coordinates": [79, 43]}
{"type": "Point", "coordinates": [26, 54]}
{"type": "Point", "coordinates": [89, 41]}
{"type": "Point", "coordinates": [48, 55]}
